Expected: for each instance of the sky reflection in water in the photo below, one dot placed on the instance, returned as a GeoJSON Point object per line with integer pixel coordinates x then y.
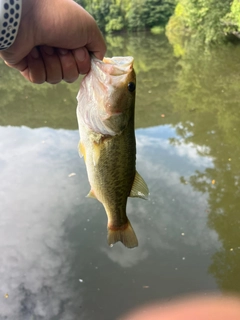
{"type": "Point", "coordinates": [53, 240]}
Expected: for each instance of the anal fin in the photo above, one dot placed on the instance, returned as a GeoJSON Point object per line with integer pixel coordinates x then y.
{"type": "Point", "coordinates": [91, 194]}
{"type": "Point", "coordinates": [139, 188]}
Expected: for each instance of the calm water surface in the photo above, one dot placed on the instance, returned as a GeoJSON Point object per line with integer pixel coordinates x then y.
{"type": "Point", "coordinates": [55, 262]}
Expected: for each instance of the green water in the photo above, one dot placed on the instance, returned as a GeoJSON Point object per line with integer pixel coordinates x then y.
{"type": "Point", "coordinates": [55, 262]}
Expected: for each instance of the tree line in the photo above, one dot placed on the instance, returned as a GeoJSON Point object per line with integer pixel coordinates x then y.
{"type": "Point", "coordinates": [124, 15]}
{"type": "Point", "coordinates": [208, 20]}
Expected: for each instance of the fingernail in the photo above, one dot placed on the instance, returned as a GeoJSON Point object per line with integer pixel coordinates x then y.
{"type": "Point", "coordinates": [80, 54]}
{"type": "Point", "coordinates": [48, 50]}
{"type": "Point", "coordinates": [35, 53]}
{"type": "Point", "coordinates": [63, 51]}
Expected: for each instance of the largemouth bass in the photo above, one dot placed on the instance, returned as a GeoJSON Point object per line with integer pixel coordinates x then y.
{"type": "Point", "coordinates": [105, 113]}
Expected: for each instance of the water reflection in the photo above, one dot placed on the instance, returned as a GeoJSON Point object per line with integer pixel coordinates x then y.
{"type": "Point", "coordinates": [207, 92]}
{"type": "Point", "coordinates": [55, 262]}
{"type": "Point", "coordinates": [35, 258]}
{"type": "Point", "coordinates": [51, 235]}
{"type": "Point", "coordinates": [54, 106]}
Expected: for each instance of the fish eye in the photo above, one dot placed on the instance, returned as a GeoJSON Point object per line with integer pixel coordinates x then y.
{"type": "Point", "coordinates": [131, 86]}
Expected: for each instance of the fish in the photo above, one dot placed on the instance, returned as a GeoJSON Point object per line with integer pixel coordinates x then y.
{"type": "Point", "coordinates": [105, 113]}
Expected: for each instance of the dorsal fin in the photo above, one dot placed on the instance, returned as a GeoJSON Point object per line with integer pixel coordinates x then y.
{"type": "Point", "coordinates": [139, 188]}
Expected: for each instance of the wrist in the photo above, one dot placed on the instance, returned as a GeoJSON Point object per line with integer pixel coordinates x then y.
{"type": "Point", "coordinates": [10, 16]}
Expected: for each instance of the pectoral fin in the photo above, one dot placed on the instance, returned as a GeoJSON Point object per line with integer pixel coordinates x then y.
{"type": "Point", "coordinates": [96, 153]}
{"type": "Point", "coordinates": [81, 150]}
{"type": "Point", "coordinates": [139, 188]}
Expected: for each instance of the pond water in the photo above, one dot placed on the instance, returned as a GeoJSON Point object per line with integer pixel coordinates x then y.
{"type": "Point", "coordinates": [55, 262]}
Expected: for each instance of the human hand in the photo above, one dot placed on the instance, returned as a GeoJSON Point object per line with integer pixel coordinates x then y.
{"type": "Point", "coordinates": [195, 308]}
{"type": "Point", "coordinates": [54, 41]}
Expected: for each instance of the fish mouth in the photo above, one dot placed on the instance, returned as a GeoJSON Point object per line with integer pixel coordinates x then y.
{"type": "Point", "coordinates": [115, 66]}
{"type": "Point", "coordinates": [106, 103]}
{"type": "Point", "coordinates": [110, 79]}
{"type": "Point", "coordinates": [122, 62]}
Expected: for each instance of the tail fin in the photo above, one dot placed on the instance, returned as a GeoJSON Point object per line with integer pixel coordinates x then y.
{"type": "Point", "coordinates": [125, 234]}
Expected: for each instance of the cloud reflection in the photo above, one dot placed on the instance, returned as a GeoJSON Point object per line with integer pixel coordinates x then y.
{"type": "Point", "coordinates": [35, 259]}
{"type": "Point", "coordinates": [158, 137]}
{"type": "Point", "coordinates": [43, 213]}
